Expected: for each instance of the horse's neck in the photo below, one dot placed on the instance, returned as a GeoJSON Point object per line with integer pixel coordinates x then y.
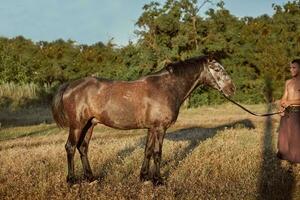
{"type": "Point", "coordinates": [186, 82]}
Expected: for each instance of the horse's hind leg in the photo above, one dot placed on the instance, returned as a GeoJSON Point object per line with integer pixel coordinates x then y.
{"type": "Point", "coordinates": [82, 146]}
{"type": "Point", "coordinates": [70, 149]}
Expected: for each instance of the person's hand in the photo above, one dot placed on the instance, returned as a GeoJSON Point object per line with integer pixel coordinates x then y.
{"type": "Point", "coordinates": [281, 109]}
{"type": "Point", "coordinates": [284, 104]}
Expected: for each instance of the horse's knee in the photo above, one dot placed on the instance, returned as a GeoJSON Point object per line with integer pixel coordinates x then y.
{"type": "Point", "coordinates": [157, 156]}
{"type": "Point", "coordinates": [70, 149]}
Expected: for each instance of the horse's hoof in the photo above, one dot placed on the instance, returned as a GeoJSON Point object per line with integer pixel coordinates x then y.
{"type": "Point", "coordinates": [158, 181]}
{"type": "Point", "coordinates": [71, 180]}
{"type": "Point", "coordinates": [89, 177]}
{"type": "Point", "coordinates": [144, 177]}
{"type": "Point", "coordinates": [147, 183]}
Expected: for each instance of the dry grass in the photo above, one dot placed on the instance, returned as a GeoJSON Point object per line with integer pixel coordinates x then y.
{"type": "Point", "coordinates": [210, 153]}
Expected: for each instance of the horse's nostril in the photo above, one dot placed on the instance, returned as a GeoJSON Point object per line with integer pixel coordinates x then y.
{"type": "Point", "coordinates": [230, 89]}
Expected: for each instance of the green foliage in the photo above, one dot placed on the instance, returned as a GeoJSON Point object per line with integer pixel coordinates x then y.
{"type": "Point", "coordinates": [251, 49]}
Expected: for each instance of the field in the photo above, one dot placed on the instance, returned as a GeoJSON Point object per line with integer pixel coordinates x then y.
{"type": "Point", "coordinates": [216, 152]}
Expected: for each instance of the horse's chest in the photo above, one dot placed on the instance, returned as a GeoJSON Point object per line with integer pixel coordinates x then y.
{"type": "Point", "coordinates": [160, 114]}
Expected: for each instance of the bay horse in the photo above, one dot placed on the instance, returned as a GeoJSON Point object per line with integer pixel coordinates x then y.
{"type": "Point", "coordinates": [151, 102]}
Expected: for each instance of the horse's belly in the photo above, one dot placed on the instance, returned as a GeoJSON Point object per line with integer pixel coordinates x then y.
{"type": "Point", "coordinates": [131, 111]}
{"type": "Point", "coordinates": [122, 117]}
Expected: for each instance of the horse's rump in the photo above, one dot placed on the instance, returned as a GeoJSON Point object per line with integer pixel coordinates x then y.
{"type": "Point", "coordinates": [58, 111]}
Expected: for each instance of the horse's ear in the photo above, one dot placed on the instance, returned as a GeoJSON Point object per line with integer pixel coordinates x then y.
{"type": "Point", "coordinates": [210, 58]}
{"type": "Point", "coordinates": [169, 68]}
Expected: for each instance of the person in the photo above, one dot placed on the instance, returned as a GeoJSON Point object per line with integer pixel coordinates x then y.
{"type": "Point", "coordinates": [289, 128]}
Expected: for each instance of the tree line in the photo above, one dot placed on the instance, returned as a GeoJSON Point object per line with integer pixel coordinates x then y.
{"type": "Point", "coordinates": [252, 49]}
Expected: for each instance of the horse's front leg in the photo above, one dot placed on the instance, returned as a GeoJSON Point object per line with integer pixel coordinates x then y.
{"type": "Point", "coordinates": [144, 175]}
{"type": "Point", "coordinates": [157, 153]}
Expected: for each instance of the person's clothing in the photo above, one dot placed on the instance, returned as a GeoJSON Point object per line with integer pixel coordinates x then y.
{"type": "Point", "coordinates": [289, 135]}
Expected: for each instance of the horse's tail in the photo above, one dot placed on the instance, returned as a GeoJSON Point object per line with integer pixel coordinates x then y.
{"type": "Point", "coordinates": [58, 111]}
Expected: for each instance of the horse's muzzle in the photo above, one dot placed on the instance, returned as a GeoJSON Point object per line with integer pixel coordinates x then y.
{"type": "Point", "coordinates": [229, 89]}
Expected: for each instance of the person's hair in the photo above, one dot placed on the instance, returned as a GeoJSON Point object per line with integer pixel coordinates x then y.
{"type": "Point", "coordinates": [296, 61]}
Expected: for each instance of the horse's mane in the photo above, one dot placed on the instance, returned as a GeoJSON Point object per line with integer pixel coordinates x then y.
{"type": "Point", "coordinates": [192, 60]}
{"type": "Point", "coordinates": [180, 66]}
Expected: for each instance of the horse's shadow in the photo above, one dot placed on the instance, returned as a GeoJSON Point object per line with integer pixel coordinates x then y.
{"type": "Point", "coordinates": [195, 135]}
{"type": "Point", "coordinates": [118, 158]}
{"type": "Point", "coordinates": [47, 130]}
{"type": "Point", "coordinates": [106, 168]}
{"type": "Point", "coordinates": [192, 134]}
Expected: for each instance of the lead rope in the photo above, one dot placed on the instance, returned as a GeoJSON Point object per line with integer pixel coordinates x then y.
{"type": "Point", "coordinates": [252, 113]}
{"type": "Point", "coordinates": [239, 105]}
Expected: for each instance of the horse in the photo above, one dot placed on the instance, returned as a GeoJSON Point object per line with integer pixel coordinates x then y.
{"type": "Point", "coordinates": [151, 102]}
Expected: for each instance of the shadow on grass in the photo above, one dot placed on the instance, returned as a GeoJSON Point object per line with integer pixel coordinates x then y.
{"type": "Point", "coordinates": [33, 133]}
{"type": "Point", "coordinates": [275, 181]}
{"type": "Point", "coordinates": [27, 145]}
{"type": "Point", "coordinates": [119, 157]}
{"type": "Point", "coordinates": [195, 135]}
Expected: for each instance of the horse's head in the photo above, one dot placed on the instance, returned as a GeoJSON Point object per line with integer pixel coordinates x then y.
{"type": "Point", "coordinates": [218, 78]}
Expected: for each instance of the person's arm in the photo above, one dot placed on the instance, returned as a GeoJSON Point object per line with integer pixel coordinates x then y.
{"type": "Point", "coordinates": [284, 100]}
